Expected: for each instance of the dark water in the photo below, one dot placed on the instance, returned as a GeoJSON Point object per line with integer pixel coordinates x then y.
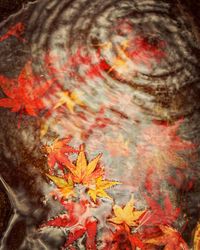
{"type": "Point", "coordinates": [130, 74]}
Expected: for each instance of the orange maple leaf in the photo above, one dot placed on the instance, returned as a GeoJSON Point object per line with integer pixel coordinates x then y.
{"type": "Point", "coordinates": [84, 172]}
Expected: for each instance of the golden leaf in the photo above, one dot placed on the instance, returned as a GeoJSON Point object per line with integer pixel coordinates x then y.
{"type": "Point", "coordinates": [127, 215]}
{"type": "Point", "coordinates": [100, 186]}
{"type": "Point", "coordinates": [84, 172]}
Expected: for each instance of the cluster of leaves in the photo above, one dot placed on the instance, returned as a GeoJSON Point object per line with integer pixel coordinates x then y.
{"type": "Point", "coordinates": [89, 175]}
{"type": "Point", "coordinates": [80, 186]}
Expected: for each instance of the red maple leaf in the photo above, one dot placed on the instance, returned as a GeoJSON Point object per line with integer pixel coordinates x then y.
{"type": "Point", "coordinates": [76, 226]}
{"type": "Point", "coordinates": [159, 215]}
{"type": "Point", "coordinates": [25, 92]}
{"type": "Point", "coordinates": [16, 31]}
{"type": "Point", "coordinates": [89, 229]}
{"type": "Point", "coordinates": [58, 152]}
{"type": "Point", "coordinates": [122, 238]}
{"type": "Point", "coordinates": [70, 218]}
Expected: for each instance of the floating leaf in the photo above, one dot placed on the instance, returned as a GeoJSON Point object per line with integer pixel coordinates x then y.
{"type": "Point", "coordinates": [127, 215]}
{"type": "Point", "coordinates": [84, 172]}
{"type": "Point", "coordinates": [89, 228]}
{"type": "Point", "coordinates": [100, 186]}
{"type": "Point", "coordinates": [65, 186]}
{"type": "Point", "coordinates": [59, 151]}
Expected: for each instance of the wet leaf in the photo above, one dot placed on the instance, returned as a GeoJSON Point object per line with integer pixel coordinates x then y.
{"type": "Point", "coordinates": [122, 238]}
{"type": "Point", "coordinates": [90, 229]}
{"type": "Point", "coordinates": [65, 186]}
{"type": "Point", "coordinates": [70, 217]}
{"type": "Point", "coordinates": [127, 215]}
{"type": "Point", "coordinates": [99, 190]}
{"type": "Point", "coordinates": [58, 152]}
{"type": "Point", "coordinates": [84, 172]}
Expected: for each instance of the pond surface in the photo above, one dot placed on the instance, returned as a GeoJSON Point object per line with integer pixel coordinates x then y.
{"type": "Point", "coordinates": [99, 117]}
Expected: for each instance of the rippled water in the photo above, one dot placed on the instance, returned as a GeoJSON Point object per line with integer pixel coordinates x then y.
{"type": "Point", "coordinates": [122, 77]}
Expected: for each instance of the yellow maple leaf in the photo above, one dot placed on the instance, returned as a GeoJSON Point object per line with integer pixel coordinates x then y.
{"type": "Point", "coordinates": [70, 99]}
{"type": "Point", "coordinates": [127, 215]}
{"type": "Point", "coordinates": [99, 188]}
{"type": "Point", "coordinates": [84, 172]}
{"type": "Point", "coordinates": [65, 186]}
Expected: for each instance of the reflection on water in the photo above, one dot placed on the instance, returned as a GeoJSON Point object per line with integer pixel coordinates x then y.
{"type": "Point", "coordinates": [99, 126]}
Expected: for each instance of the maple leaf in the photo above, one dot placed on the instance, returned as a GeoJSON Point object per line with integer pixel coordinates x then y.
{"type": "Point", "coordinates": [58, 151]}
{"type": "Point", "coordinates": [197, 237]}
{"type": "Point", "coordinates": [90, 229]}
{"type": "Point", "coordinates": [127, 215]}
{"type": "Point", "coordinates": [15, 31]}
{"type": "Point", "coordinates": [160, 146]}
{"type": "Point", "coordinates": [99, 189]}
{"type": "Point", "coordinates": [171, 239]}
{"type": "Point", "coordinates": [70, 218]}
{"type": "Point", "coordinates": [166, 215]}
{"type": "Point", "coordinates": [70, 99]}
{"type": "Point", "coordinates": [23, 93]}
{"type": "Point", "coordinates": [84, 172]}
{"type": "Point", "coordinates": [122, 238]}
{"type": "Point", "coordinates": [65, 185]}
